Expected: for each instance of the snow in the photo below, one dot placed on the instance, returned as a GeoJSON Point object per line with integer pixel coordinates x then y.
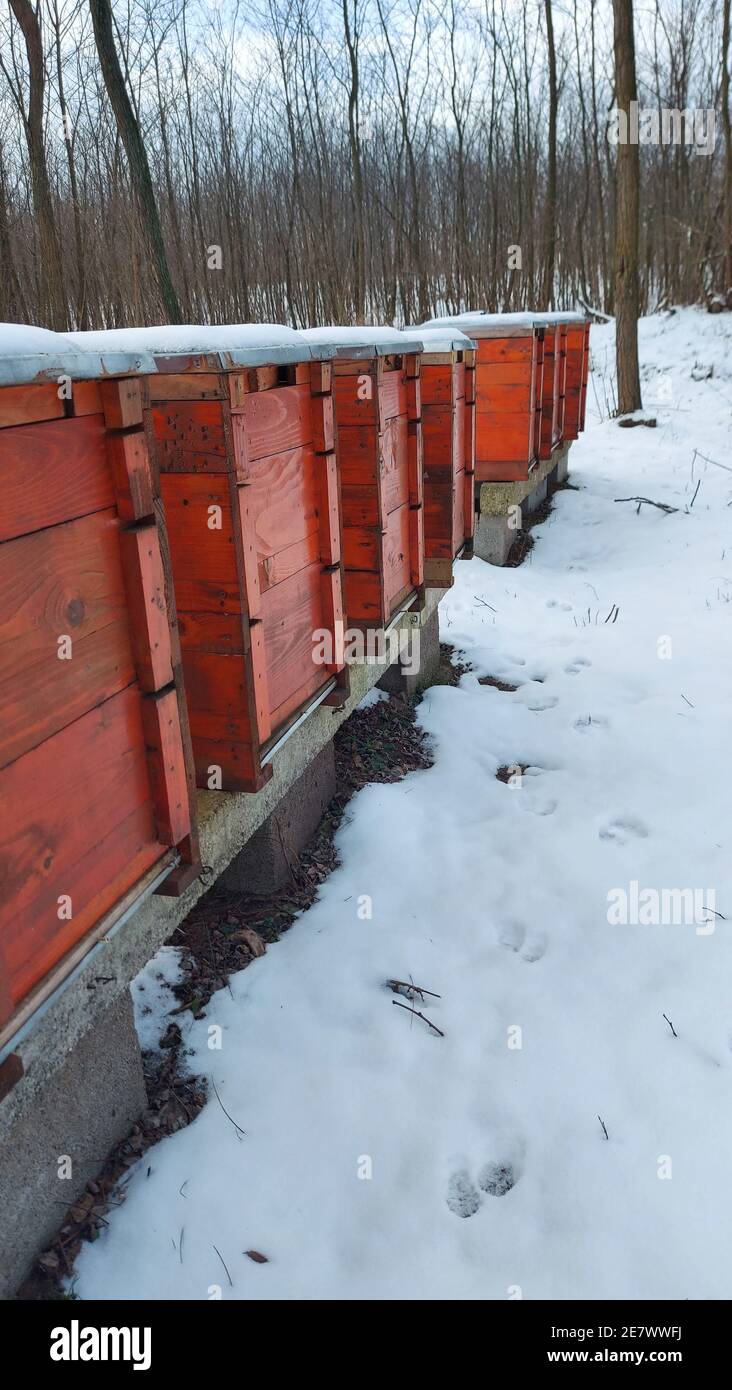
{"type": "Point", "coordinates": [29, 354]}
{"type": "Point", "coordinates": [490, 325]}
{"type": "Point", "coordinates": [242, 344]}
{"type": "Point", "coordinates": [444, 339]}
{"type": "Point", "coordinates": [153, 997]}
{"type": "Point", "coordinates": [375, 339]}
{"type": "Point", "coordinates": [376, 1155]}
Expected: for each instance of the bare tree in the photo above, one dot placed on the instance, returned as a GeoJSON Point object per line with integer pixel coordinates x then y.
{"type": "Point", "coordinates": [627, 199]}
{"type": "Point", "coordinates": [129, 131]}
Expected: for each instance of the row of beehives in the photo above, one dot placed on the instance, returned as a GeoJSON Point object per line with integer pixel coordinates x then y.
{"type": "Point", "coordinates": [267, 485]}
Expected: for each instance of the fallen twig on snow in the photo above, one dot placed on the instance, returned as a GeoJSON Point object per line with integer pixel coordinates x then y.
{"type": "Point", "coordinates": [237, 1127]}
{"type": "Point", "coordinates": [223, 1261]}
{"type": "Point", "coordinates": [417, 1014]}
{"type": "Point", "coordinates": [604, 1127]}
{"type": "Point", "coordinates": [662, 506]}
{"type": "Point", "coordinates": [670, 1024]}
{"type": "Point", "coordinates": [396, 985]}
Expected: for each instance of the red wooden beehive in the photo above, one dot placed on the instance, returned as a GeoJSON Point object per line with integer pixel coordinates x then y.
{"type": "Point", "coordinates": [96, 783]}
{"type": "Point", "coordinates": [241, 421]}
{"type": "Point", "coordinates": [376, 391]}
{"type": "Point", "coordinates": [448, 437]}
{"type": "Point", "coordinates": [509, 392]}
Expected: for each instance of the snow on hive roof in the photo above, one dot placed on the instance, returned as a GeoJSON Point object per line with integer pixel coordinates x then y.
{"type": "Point", "coordinates": [479, 323]}
{"type": "Point", "coordinates": [444, 339]}
{"type": "Point", "coordinates": [236, 344]}
{"type": "Point", "coordinates": [339, 340]}
{"type": "Point", "coordinates": [29, 354]}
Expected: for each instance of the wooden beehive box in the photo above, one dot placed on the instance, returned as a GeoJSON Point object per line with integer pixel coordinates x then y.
{"type": "Point", "coordinates": [241, 422]}
{"type": "Point", "coordinates": [96, 784]}
{"type": "Point", "coordinates": [376, 394]}
{"type": "Point", "coordinates": [509, 392]}
{"type": "Point", "coordinates": [448, 438]}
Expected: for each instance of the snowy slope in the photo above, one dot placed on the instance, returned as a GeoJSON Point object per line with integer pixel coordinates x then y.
{"type": "Point", "coordinates": [496, 898]}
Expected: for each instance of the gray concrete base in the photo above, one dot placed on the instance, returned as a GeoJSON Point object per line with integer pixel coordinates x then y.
{"type": "Point", "coordinates": [563, 465]}
{"type": "Point", "coordinates": [494, 536]}
{"type": "Point", "coordinates": [536, 498]}
{"type": "Point", "coordinates": [418, 667]}
{"type": "Point", "coordinates": [267, 860]}
{"type": "Point", "coordinates": [56, 1145]}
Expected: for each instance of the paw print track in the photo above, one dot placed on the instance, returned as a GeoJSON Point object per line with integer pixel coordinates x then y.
{"type": "Point", "coordinates": [463, 1198]}
{"type": "Point", "coordinates": [496, 1179]}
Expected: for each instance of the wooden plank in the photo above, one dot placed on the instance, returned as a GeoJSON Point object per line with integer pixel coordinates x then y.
{"type": "Point", "coordinates": [203, 556]}
{"type": "Point", "coordinates": [52, 472]}
{"type": "Point", "coordinates": [123, 402]}
{"type": "Point", "coordinates": [275, 421]}
{"type": "Point", "coordinates": [329, 511]}
{"type": "Point", "coordinates": [503, 437]}
{"type": "Point", "coordinates": [89, 836]}
{"type": "Point", "coordinates": [240, 769]}
{"type": "Point", "coordinates": [132, 475]}
{"type": "Point", "coordinates": [438, 520]}
{"type": "Point", "coordinates": [394, 473]}
{"type": "Point", "coordinates": [416, 546]}
{"type": "Point", "coordinates": [438, 424]}
{"type": "Point", "coordinates": [499, 351]}
{"type": "Point", "coordinates": [396, 549]}
{"type": "Point", "coordinates": [356, 397]}
{"type": "Point", "coordinates": [86, 398]}
{"type": "Point", "coordinates": [166, 766]}
{"type": "Point", "coordinates": [438, 384]}
{"type": "Point", "coordinates": [25, 405]}
{"type": "Point", "coordinates": [331, 589]}
{"type": "Point", "coordinates": [415, 463]}
{"type": "Point", "coordinates": [63, 582]}
{"type": "Point", "coordinates": [504, 400]}
{"type": "Point", "coordinates": [323, 428]}
{"type": "Point", "coordinates": [292, 612]}
{"type": "Point", "coordinates": [191, 427]}
{"type": "Point", "coordinates": [188, 386]}
{"type": "Point", "coordinates": [217, 694]}
{"type": "Point", "coordinates": [142, 567]}
{"type": "Point", "coordinates": [360, 506]}
{"type": "Point", "coordinates": [501, 470]}
{"type": "Point", "coordinates": [364, 597]}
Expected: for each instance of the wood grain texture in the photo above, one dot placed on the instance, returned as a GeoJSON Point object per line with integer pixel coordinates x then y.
{"type": "Point", "coordinates": [24, 405]}
{"type": "Point", "coordinates": [62, 582]}
{"type": "Point", "coordinates": [90, 836]}
{"type": "Point", "coordinates": [52, 472]}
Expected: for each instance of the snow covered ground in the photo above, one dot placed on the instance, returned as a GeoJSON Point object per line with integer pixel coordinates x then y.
{"type": "Point", "coordinates": [381, 1160]}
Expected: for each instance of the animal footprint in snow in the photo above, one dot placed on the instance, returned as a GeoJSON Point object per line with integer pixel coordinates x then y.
{"type": "Point", "coordinates": [574, 668]}
{"type": "Point", "coordinates": [622, 830]}
{"type": "Point", "coordinates": [589, 722]}
{"type": "Point", "coordinates": [537, 703]}
{"type": "Point", "coordinates": [496, 1179]}
{"type": "Point", "coordinates": [534, 949]}
{"type": "Point", "coordinates": [512, 936]}
{"type": "Point", "coordinates": [462, 1197]}
{"type": "Point", "coordinates": [538, 805]}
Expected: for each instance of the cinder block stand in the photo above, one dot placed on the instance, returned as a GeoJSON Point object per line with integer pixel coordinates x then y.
{"type": "Point", "coordinates": [502, 507]}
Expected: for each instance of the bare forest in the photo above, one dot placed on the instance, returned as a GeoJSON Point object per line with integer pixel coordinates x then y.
{"type": "Point", "coordinates": [311, 161]}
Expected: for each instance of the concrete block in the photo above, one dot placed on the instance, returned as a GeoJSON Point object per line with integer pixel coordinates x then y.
{"type": "Point", "coordinates": [494, 535]}
{"type": "Point", "coordinates": [418, 667]}
{"type": "Point", "coordinates": [267, 859]}
{"type": "Point", "coordinates": [563, 465]}
{"type": "Point", "coordinates": [538, 496]}
{"type": "Point", "coordinates": [81, 1112]}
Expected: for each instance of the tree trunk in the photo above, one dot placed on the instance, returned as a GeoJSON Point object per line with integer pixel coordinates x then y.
{"type": "Point", "coordinates": [724, 102]}
{"type": "Point", "coordinates": [129, 130]}
{"type": "Point", "coordinates": [51, 276]}
{"type": "Point", "coordinates": [627, 194]}
{"type": "Point", "coordinates": [550, 210]}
